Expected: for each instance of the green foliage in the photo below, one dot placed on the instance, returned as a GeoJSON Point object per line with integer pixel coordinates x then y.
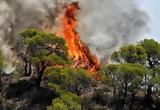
{"type": "Point", "coordinates": [133, 69]}
{"type": "Point", "coordinates": [44, 47]}
{"type": "Point", "coordinates": [130, 54]}
{"type": "Point", "coordinates": [1, 61]}
{"type": "Point", "coordinates": [58, 106]}
{"type": "Point", "coordinates": [56, 88]}
{"type": "Point", "coordinates": [123, 76]}
{"type": "Point", "coordinates": [66, 101]}
{"type": "Point", "coordinates": [121, 70]}
{"type": "Point", "coordinates": [39, 50]}
{"type": "Point", "coordinates": [104, 74]}
{"type": "Point", "coordinates": [63, 79]}
{"type": "Point", "coordinates": [152, 48]}
{"type": "Point", "coordinates": [69, 79]}
{"type": "Point", "coordinates": [126, 72]}
{"type": "Point", "coordinates": [147, 53]}
{"type": "Point", "coordinates": [121, 86]}
{"type": "Point", "coordinates": [154, 76]}
{"type": "Point", "coordinates": [116, 56]}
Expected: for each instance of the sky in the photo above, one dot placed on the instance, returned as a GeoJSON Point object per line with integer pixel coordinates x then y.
{"type": "Point", "coordinates": [152, 7]}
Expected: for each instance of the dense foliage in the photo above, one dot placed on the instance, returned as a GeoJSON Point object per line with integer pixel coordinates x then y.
{"type": "Point", "coordinates": [38, 50]}
{"type": "Point", "coordinates": [45, 78]}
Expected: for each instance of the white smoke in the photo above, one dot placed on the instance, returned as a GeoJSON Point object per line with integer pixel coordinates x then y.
{"type": "Point", "coordinates": [17, 15]}
{"type": "Point", "coordinates": [5, 21]}
{"type": "Point", "coordinates": [107, 25]}
{"type": "Point", "coordinates": [103, 24]}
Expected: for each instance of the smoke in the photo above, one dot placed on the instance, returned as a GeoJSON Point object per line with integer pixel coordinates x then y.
{"type": "Point", "coordinates": [104, 25]}
{"type": "Point", "coordinates": [5, 21]}
{"type": "Point", "coordinates": [17, 15]}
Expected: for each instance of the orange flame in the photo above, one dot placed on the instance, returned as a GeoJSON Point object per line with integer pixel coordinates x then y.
{"type": "Point", "coordinates": [77, 50]}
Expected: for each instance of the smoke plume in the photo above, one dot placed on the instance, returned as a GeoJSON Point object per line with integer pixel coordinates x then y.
{"type": "Point", "coordinates": [107, 25]}
{"type": "Point", "coordinates": [103, 24]}
{"type": "Point", "coordinates": [17, 15]}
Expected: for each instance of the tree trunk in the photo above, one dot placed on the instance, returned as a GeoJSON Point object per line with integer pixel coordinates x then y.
{"type": "Point", "coordinates": [25, 68]}
{"type": "Point", "coordinates": [117, 105]}
{"type": "Point", "coordinates": [114, 92]}
{"type": "Point", "coordinates": [40, 74]}
{"type": "Point", "coordinates": [30, 70]}
{"type": "Point", "coordinates": [132, 101]}
{"type": "Point", "coordinates": [149, 91]}
{"type": "Point", "coordinates": [125, 95]}
{"type": "Point", "coordinates": [150, 63]}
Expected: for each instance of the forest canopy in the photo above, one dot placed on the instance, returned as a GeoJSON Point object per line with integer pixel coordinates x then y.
{"type": "Point", "coordinates": [45, 78]}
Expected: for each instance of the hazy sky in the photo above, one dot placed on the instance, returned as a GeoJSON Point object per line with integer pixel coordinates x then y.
{"type": "Point", "coordinates": [152, 7]}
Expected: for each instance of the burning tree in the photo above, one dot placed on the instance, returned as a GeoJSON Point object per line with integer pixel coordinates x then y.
{"type": "Point", "coordinates": [77, 50]}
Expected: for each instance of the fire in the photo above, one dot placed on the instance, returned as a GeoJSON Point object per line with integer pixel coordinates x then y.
{"type": "Point", "coordinates": [77, 50]}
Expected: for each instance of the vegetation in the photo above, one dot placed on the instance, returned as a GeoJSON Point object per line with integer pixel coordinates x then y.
{"type": "Point", "coordinates": [66, 101]}
{"type": "Point", "coordinates": [48, 81]}
{"type": "Point", "coordinates": [2, 65]}
{"type": "Point", "coordinates": [39, 50]}
{"type": "Point", "coordinates": [69, 79]}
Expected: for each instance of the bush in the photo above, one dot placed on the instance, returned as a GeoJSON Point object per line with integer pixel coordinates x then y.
{"type": "Point", "coordinates": [69, 79]}
{"type": "Point", "coordinates": [66, 101]}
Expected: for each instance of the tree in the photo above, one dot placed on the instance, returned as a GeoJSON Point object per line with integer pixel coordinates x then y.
{"type": "Point", "coordinates": [147, 53]}
{"type": "Point", "coordinates": [68, 79]}
{"type": "Point", "coordinates": [66, 101]}
{"type": "Point", "coordinates": [108, 76]}
{"type": "Point", "coordinates": [153, 51]}
{"type": "Point", "coordinates": [152, 48]}
{"type": "Point", "coordinates": [130, 54]}
{"type": "Point", "coordinates": [40, 50]}
{"type": "Point", "coordinates": [126, 78]}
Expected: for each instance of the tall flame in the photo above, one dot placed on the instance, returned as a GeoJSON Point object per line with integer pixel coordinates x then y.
{"type": "Point", "coordinates": [77, 50]}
